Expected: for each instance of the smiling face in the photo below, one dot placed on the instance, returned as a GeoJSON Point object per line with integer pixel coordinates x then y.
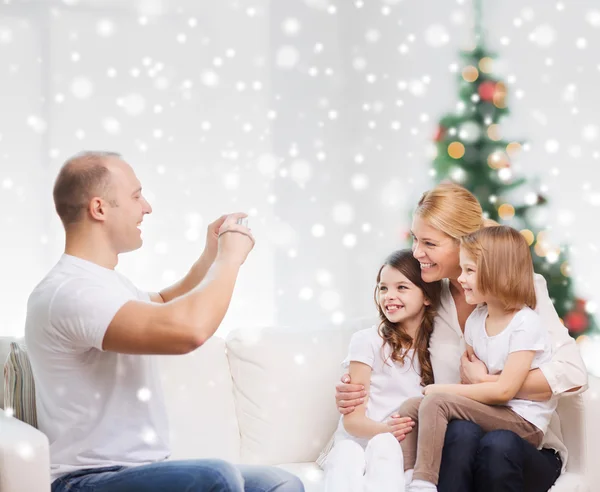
{"type": "Point", "coordinates": [437, 253]}
{"type": "Point", "coordinates": [468, 278]}
{"type": "Point", "coordinates": [124, 219]}
{"type": "Point", "coordinates": [399, 299]}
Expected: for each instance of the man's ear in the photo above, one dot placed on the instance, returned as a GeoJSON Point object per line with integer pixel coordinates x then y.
{"type": "Point", "coordinates": [97, 208]}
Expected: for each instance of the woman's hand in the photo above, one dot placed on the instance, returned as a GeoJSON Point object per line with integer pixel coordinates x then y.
{"type": "Point", "coordinates": [348, 396]}
{"type": "Point", "coordinates": [400, 426]}
{"type": "Point", "coordinates": [472, 369]}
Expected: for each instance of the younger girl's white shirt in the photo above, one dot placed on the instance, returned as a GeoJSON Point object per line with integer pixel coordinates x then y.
{"type": "Point", "coordinates": [391, 382]}
{"type": "Point", "coordinates": [523, 332]}
{"type": "Point", "coordinates": [564, 371]}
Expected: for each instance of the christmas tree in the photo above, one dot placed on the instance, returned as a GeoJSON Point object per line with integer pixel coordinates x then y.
{"type": "Point", "coordinates": [471, 152]}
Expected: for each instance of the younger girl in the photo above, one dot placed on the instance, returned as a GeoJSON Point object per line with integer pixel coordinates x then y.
{"type": "Point", "coordinates": [392, 362]}
{"type": "Point", "coordinates": [505, 333]}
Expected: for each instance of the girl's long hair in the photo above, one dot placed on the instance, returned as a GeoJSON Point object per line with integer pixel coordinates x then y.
{"type": "Point", "coordinates": [393, 333]}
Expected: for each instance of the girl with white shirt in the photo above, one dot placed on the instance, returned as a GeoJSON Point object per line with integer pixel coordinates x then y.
{"type": "Point", "coordinates": [505, 333]}
{"type": "Point", "coordinates": [392, 361]}
{"type": "Point", "coordinates": [497, 461]}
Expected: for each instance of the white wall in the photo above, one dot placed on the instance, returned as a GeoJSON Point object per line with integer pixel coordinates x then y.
{"type": "Point", "coordinates": [319, 118]}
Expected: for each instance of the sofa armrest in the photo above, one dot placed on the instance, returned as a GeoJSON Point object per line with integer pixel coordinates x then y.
{"type": "Point", "coordinates": [592, 409]}
{"type": "Point", "coordinates": [24, 457]}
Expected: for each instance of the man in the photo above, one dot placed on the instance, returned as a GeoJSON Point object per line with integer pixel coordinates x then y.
{"type": "Point", "coordinates": [91, 335]}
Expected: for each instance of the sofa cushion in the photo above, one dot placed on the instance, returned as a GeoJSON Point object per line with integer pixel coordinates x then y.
{"type": "Point", "coordinates": [284, 384]}
{"type": "Point", "coordinates": [200, 405]}
{"type": "Point", "coordinates": [19, 388]}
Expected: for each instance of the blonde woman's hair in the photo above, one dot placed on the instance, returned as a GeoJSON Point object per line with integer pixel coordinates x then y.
{"type": "Point", "coordinates": [504, 265]}
{"type": "Point", "coordinates": [452, 209]}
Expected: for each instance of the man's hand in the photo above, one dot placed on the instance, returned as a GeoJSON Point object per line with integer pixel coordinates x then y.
{"type": "Point", "coordinates": [472, 369]}
{"type": "Point", "coordinates": [235, 241]}
{"type": "Point", "coordinates": [400, 426]}
{"type": "Point", "coordinates": [212, 238]}
{"type": "Point", "coordinates": [348, 396]}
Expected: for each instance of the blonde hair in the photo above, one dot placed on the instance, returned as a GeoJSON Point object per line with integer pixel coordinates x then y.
{"type": "Point", "coordinates": [452, 209]}
{"type": "Point", "coordinates": [504, 265]}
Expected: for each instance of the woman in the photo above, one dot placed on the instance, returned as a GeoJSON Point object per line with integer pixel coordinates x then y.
{"type": "Point", "coordinates": [498, 461]}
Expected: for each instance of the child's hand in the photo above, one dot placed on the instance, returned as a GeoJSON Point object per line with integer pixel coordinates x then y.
{"type": "Point", "coordinates": [472, 369]}
{"type": "Point", "coordinates": [435, 388]}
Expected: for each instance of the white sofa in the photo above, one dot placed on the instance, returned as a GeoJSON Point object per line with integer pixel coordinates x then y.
{"type": "Point", "coordinates": [267, 396]}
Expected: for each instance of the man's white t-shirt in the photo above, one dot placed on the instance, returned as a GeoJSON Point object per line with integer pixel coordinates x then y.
{"type": "Point", "coordinates": [97, 408]}
{"type": "Point", "coordinates": [391, 382]}
{"type": "Point", "coordinates": [524, 332]}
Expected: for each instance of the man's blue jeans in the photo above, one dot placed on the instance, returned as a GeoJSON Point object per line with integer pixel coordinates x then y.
{"type": "Point", "coordinates": [208, 475]}
{"type": "Point", "coordinates": [499, 461]}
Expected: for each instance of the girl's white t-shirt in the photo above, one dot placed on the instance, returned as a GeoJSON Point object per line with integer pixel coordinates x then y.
{"type": "Point", "coordinates": [563, 372]}
{"type": "Point", "coordinates": [523, 332]}
{"type": "Point", "coordinates": [391, 382]}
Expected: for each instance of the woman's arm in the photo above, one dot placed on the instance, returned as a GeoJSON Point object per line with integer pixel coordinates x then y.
{"type": "Point", "coordinates": [357, 423]}
{"type": "Point", "coordinates": [565, 373]}
{"type": "Point", "coordinates": [498, 392]}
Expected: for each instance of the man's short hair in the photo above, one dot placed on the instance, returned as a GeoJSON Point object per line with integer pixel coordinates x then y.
{"type": "Point", "coordinates": [81, 178]}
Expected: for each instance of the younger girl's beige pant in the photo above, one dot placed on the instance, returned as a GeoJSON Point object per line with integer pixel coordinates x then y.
{"type": "Point", "coordinates": [422, 448]}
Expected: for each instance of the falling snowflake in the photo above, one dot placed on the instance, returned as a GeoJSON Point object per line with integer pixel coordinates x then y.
{"type": "Point", "coordinates": [37, 124]}
{"type": "Point", "coordinates": [306, 294]}
{"type": "Point", "coordinates": [301, 171]}
{"type": "Point", "coordinates": [318, 230]}
{"type": "Point", "coordinates": [291, 26]}
{"type": "Point", "coordinates": [6, 35]}
{"type": "Point", "coordinates": [544, 36]}
{"type": "Point", "coordinates": [552, 146]}
{"type": "Point", "coordinates": [330, 300]}
{"type": "Point", "coordinates": [287, 57]}
{"type": "Point", "coordinates": [111, 125]}
{"type": "Point", "coordinates": [82, 87]}
{"type": "Point", "coordinates": [436, 36]}
{"type": "Point", "coordinates": [149, 436]}
{"type": "Point", "coordinates": [105, 28]}
{"type": "Point", "coordinates": [343, 213]}
{"type": "Point", "coordinates": [134, 104]}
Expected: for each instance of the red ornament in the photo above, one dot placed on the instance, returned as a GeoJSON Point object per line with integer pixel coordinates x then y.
{"type": "Point", "coordinates": [576, 322]}
{"type": "Point", "coordinates": [439, 133]}
{"type": "Point", "coordinates": [486, 90]}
